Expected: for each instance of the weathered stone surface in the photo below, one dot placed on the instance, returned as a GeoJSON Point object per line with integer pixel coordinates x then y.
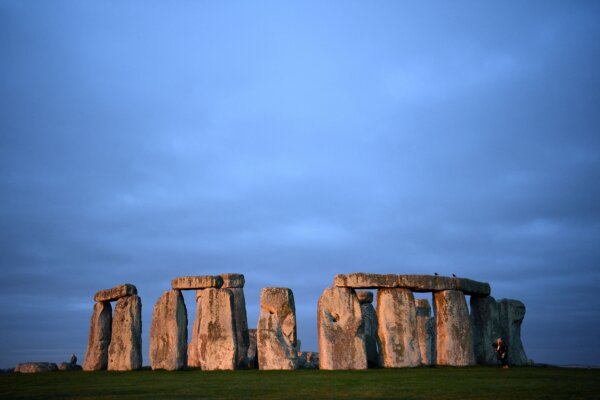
{"type": "Point", "coordinates": [233, 281]}
{"type": "Point", "coordinates": [416, 283]}
{"type": "Point", "coordinates": [35, 367]}
{"type": "Point", "coordinates": [241, 323]}
{"type": "Point", "coordinates": [341, 331]}
{"type": "Point", "coordinates": [397, 319]}
{"type": "Point", "coordinates": [426, 331]}
{"type": "Point", "coordinates": [308, 360]}
{"type": "Point", "coordinates": [512, 313]}
{"type": "Point", "coordinates": [96, 357]}
{"type": "Point", "coordinates": [276, 333]}
{"type": "Point", "coordinates": [193, 358]}
{"type": "Point", "coordinates": [486, 329]}
{"type": "Point", "coordinates": [217, 344]}
{"type": "Point", "coordinates": [115, 293]}
{"type": "Point", "coordinates": [454, 339]}
{"type": "Point", "coordinates": [371, 327]}
{"type": "Point", "coordinates": [251, 356]}
{"type": "Point", "coordinates": [125, 349]}
{"type": "Point", "coordinates": [196, 282]}
{"type": "Point", "coordinates": [168, 332]}
{"type": "Point", "coordinates": [65, 366]}
{"type": "Point", "coordinates": [364, 296]}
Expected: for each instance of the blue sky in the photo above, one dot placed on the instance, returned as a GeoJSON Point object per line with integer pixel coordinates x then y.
{"type": "Point", "coordinates": [291, 141]}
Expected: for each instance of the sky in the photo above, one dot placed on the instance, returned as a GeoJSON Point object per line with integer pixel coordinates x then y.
{"type": "Point", "coordinates": [292, 141]}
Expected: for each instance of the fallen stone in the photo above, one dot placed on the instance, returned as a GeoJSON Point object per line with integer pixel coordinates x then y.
{"type": "Point", "coordinates": [485, 323]}
{"type": "Point", "coordinates": [217, 345]}
{"type": "Point", "coordinates": [168, 332]}
{"type": "Point", "coordinates": [125, 349]}
{"type": "Point", "coordinates": [371, 327]}
{"type": "Point", "coordinates": [35, 367]}
{"type": "Point", "coordinates": [341, 331]}
{"type": "Point", "coordinates": [364, 296]}
{"type": "Point", "coordinates": [193, 358]}
{"type": "Point", "coordinates": [196, 282]}
{"type": "Point", "coordinates": [426, 331]}
{"type": "Point", "coordinates": [511, 315]}
{"type": "Point", "coordinates": [397, 318]}
{"type": "Point", "coordinates": [241, 323]}
{"type": "Point", "coordinates": [233, 281]}
{"type": "Point", "coordinates": [308, 360]}
{"type": "Point", "coordinates": [276, 333]}
{"type": "Point", "coordinates": [96, 357]}
{"type": "Point", "coordinates": [454, 339]}
{"type": "Point", "coordinates": [115, 293]}
{"type": "Point", "coordinates": [65, 366]}
{"type": "Point", "coordinates": [251, 357]}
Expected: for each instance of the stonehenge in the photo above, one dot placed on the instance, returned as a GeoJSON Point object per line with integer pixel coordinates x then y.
{"type": "Point", "coordinates": [485, 321]}
{"type": "Point", "coordinates": [168, 332]}
{"type": "Point", "coordinates": [235, 284]}
{"type": "Point", "coordinates": [454, 338]}
{"type": "Point", "coordinates": [426, 331]}
{"type": "Point", "coordinates": [96, 358]}
{"type": "Point", "coordinates": [369, 316]}
{"type": "Point", "coordinates": [511, 314]}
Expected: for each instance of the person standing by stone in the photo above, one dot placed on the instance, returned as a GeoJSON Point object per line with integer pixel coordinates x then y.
{"type": "Point", "coordinates": [502, 351]}
{"type": "Point", "coordinates": [73, 360]}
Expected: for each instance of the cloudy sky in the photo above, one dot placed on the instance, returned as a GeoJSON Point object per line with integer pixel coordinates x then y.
{"type": "Point", "coordinates": [140, 141]}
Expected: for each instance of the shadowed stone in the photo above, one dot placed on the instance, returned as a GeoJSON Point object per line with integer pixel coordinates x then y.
{"type": "Point", "coordinates": [365, 298]}
{"type": "Point", "coordinates": [308, 360]}
{"type": "Point", "coordinates": [341, 332]}
{"type": "Point", "coordinates": [35, 367]}
{"type": "Point", "coordinates": [217, 345]}
{"type": "Point", "coordinates": [115, 293]}
{"type": "Point", "coordinates": [96, 357]}
{"type": "Point", "coordinates": [196, 282]}
{"type": "Point", "coordinates": [65, 366]}
{"type": "Point", "coordinates": [233, 281]}
{"type": "Point", "coordinates": [168, 332]}
{"type": "Point", "coordinates": [251, 357]}
{"type": "Point", "coordinates": [416, 283]}
{"type": "Point", "coordinates": [512, 313]}
{"type": "Point", "coordinates": [454, 339]}
{"type": "Point", "coordinates": [193, 358]}
{"type": "Point", "coordinates": [276, 333]}
{"type": "Point", "coordinates": [397, 319]}
{"type": "Point", "coordinates": [125, 349]}
{"type": "Point", "coordinates": [241, 323]}
{"type": "Point", "coordinates": [486, 329]}
{"type": "Point", "coordinates": [426, 331]}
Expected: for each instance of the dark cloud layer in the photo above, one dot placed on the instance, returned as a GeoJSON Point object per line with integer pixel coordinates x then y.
{"type": "Point", "coordinates": [143, 141]}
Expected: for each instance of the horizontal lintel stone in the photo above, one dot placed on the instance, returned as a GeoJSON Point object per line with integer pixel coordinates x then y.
{"type": "Point", "coordinates": [197, 282]}
{"type": "Point", "coordinates": [115, 293]}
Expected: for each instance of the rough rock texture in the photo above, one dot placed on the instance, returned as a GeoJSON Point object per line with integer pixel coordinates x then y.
{"type": "Point", "coordinates": [416, 283]}
{"type": "Point", "coordinates": [115, 293]}
{"type": "Point", "coordinates": [168, 332]}
{"type": "Point", "coordinates": [341, 331]}
{"type": "Point", "coordinates": [485, 323]}
{"type": "Point", "coordinates": [196, 282]}
{"type": "Point", "coordinates": [308, 360]}
{"type": "Point", "coordinates": [241, 323]}
{"type": "Point", "coordinates": [276, 333]}
{"type": "Point", "coordinates": [96, 357]}
{"type": "Point", "coordinates": [125, 349]}
{"type": "Point", "coordinates": [426, 331]}
{"type": "Point", "coordinates": [35, 367]}
{"type": "Point", "coordinates": [511, 317]}
{"type": "Point", "coordinates": [371, 327]}
{"type": "Point", "coordinates": [65, 366]}
{"type": "Point", "coordinates": [193, 358]}
{"type": "Point", "coordinates": [251, 357]}
{"type": "Point", "coordinates": [397, 319]}
{"type": "Point", "coordinates": [454, 339]}
{"type": "Point", "coordinates": [233, 281]}
{"type": "Point", "coordinates": [217, 345]}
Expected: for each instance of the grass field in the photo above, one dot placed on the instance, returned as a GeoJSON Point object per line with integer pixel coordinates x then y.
{"type": "Point", "coordinates": [418, 383]}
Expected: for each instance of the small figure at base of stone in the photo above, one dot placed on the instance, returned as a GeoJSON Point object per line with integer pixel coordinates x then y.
{"type": "Point", "coordinates": [502, 351]}
{"type": "Point", "coordinates": [73, 360]}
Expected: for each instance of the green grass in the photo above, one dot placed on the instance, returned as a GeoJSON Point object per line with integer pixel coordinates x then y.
{"type": "Point", "coordinates": [418, 383]}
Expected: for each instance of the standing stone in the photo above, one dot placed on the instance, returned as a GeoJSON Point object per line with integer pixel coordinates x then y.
{"type": "Point", "coordinates": [276, 333]}
{"type": "Point", "coordinates": [486, 329]}
{"type": "Point", "coordinates": [193, 358]}
{"type": "Point", "coordinates": [235, 284]}
{"type": "Point", "coordinates": [341, 331]}
{"type": "Point", "coordinates": [365, 298]}
{"type": "Point", "coordinates": [397, 319]}
{"type": "Point", "coordinates": [168, 332]}
{"type": "Point", "coordinates": [96, 357]}
{"type": "Point", "coordinates": [426, 331]}
{"type": "Point", "coordinates": [251, 357]}
{"type": "Point", "coordinates": [454, 339]}
{"type": "Point", "coordinates": [512, 313]}
{"type": "Point", "coordinates": [217, 345]}
{"type": "Point", "coordinates": [125, 349]}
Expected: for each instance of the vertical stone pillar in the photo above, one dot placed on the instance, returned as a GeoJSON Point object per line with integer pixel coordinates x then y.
{"type": "Point", "coordinates": [235, 284]}
{"type": "Point", "coordinates": [365, 298]}
{"type": "Point", "coordinates": [341, 331]}
{"type": "Point", "coordinates": [486, 329]}
{"type": "Point", "coordinates": [512, 313]}
{"type": "Point", "coordinates": [426, 331]}
{"type": "Point", "coordinates": [454, 339]}
{"type": "Point", "coordinates": [96, 357]}
{"type": "Point", "coordinates": [125, 349]}
{"type": "Point", "coordinates": [397, 318]}
{"type": "Point", "coordinates": [276, 334]}
{"type": "Point", "coordinates": [252, 357]}
{"type": "Point", "coordinates": [193, 358]}
{"type": "Point", "coordinates": [217, 343]}
{"type": "Point", "coordinates": [168, 332]}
